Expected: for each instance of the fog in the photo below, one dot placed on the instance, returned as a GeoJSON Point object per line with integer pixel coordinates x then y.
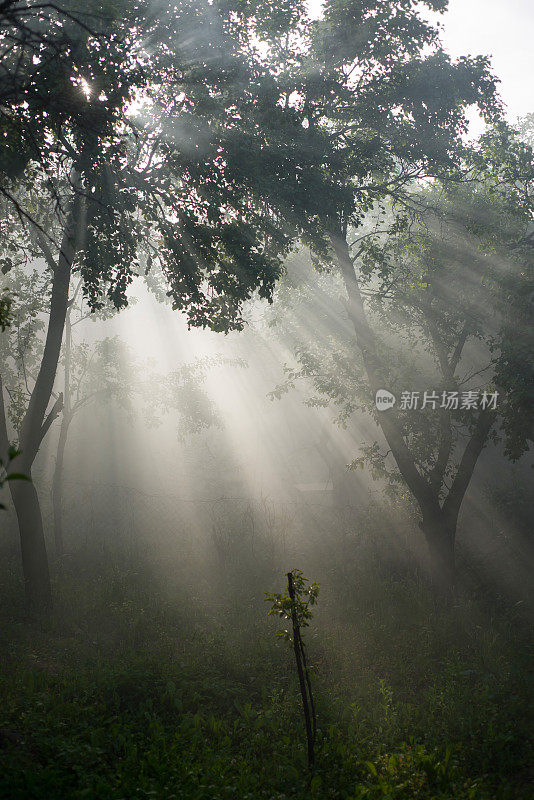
{"type": "Point", "coordinates": [167, 484]}
{"type": "Point", "coordinates": [266, 418]}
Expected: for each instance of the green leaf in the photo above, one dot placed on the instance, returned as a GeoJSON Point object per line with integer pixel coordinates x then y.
{"type": "Point", "coordinates": [17, 476]}
{"type": "Point", "coordinates": [371, 767]}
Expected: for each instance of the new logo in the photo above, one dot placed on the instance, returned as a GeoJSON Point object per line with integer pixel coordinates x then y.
{"type": "Point", "coordinates": [384, 400]}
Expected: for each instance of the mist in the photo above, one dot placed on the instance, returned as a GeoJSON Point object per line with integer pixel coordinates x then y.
{"type": "Point", "coordinates": [267, 403]}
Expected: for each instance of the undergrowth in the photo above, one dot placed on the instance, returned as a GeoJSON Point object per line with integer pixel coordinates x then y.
{"type": "Point", "coordinates": [126, 693]}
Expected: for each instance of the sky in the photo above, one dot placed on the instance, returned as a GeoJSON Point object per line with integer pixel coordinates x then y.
{"type": "Point", "coordinates": [502, 29]}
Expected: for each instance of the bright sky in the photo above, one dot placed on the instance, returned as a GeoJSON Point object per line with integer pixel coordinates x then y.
{"type": "Point", "coordinates": [503, 29]}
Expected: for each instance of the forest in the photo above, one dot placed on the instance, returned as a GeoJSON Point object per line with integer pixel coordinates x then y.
{"type": "Point", "coordinates": [266, 400]}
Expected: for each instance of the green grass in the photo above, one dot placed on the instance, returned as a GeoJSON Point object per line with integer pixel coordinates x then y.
{"type": "Point", "coordinates": [126, 694]}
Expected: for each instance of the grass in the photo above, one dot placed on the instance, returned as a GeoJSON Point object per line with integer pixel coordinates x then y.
{"type": "Point", "coordinates": [125, 693]}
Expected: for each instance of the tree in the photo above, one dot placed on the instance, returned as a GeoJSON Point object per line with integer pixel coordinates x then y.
{"type": "Point", "coordinates": [182, 391]}
{"type": "Point", "coordinates": [294, 605]}
{"type": "Point", "coordinates": [103, 183]}
{"type": "Point", "coordinates": [384, 110]}
{"type": "Point", "coordinates": [233, 153]}
{"type": "Point", "coordinates": [446, 303]}
{"type": "Point", "coordinates": [94, 375]}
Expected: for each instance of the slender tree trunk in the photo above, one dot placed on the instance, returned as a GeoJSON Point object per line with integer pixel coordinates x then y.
{"type": "Point", "coordinates": [28, 511]}
{"type": "Point", "coordinates": [37, 422]}
{"type": "Point", "coordinates": [32, 543]}
{"type": "Point", "coordinates": [57, 486]}
{"type": "Point", "coordinates": [34, 428]}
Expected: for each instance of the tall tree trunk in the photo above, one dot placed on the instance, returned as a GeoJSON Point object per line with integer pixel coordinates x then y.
{"type": "Point", "coordinates": [32, 544]}
{"type": "Point", "coordinates": [37, 422]}
{"type": "Point", "coordinates": [28, 511]}
{"type": "Point", "coordinates": [57, 486]}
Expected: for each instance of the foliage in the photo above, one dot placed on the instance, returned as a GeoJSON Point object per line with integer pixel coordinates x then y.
{"type": "Point", "coordinates": [97, 372]}
{"type": "Point", "coordinates": [150, 132]}
{"type": "Point", "coordinates": [6, 312]}
{"type": "Point", "coordinates": [306, 595]}
{"type": "Point", "coordinates": [6, 475]}
{"type": "Point", "coordinates": [447, 285]}
{"type": "Point", "coordinates": [381, 104]}
{"type": "Point", "coordinates": [504, 222]}
{"type": "Point", "coordinates": [295, 608]}
{"type": "Point", "coordinates": [101, 373]}
{"type": "Point", "coordinates": [514, 500]}
{"type": "Point", "coordinates": [182, 391]}
{"type": "Point", "coordinates": [384, 107]}
{"type": "Point", "coordinates": [127, 693]}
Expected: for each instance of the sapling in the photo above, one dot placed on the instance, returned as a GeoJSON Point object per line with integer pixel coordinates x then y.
{"type": "Point", "coordinates": [294, 605]}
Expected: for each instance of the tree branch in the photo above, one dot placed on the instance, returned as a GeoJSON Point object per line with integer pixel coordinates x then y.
{"type": "Point", "coordinates": [457, 354]}
{"type": "Point", "coordinates": [52, 415]}
{"type": "Point", "coordinates": [451, 505]}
